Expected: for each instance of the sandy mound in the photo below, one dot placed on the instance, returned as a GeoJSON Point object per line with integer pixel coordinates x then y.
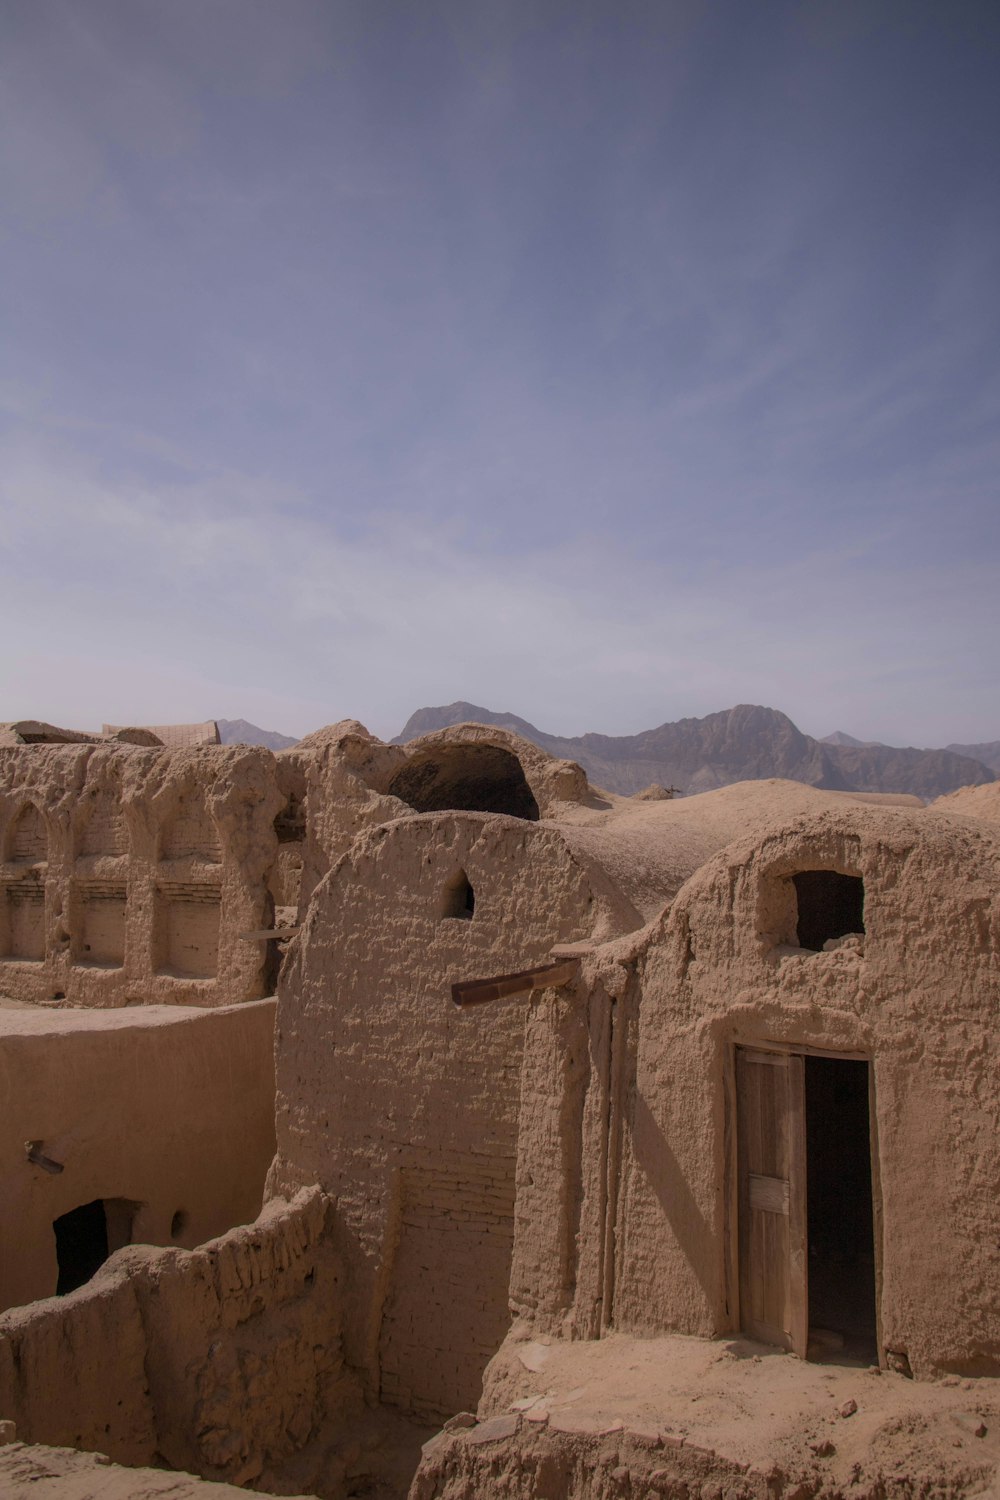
{"type": "Point", "coordinates": [973, 802]}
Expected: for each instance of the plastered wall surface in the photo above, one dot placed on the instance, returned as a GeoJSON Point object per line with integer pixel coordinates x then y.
{"type": "Point", "coordinates": [405, 1109]}
{"type": "Point", "coordinates": [918, 996]}
{"type": "Point", "coordinates": [168, 1109]}
{"type": "Point", "coordinates": [221, 1361]}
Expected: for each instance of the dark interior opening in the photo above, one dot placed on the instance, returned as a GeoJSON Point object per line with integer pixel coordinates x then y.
{"type": "Point", "coordinates": [467, 778]}
{"type": "Point", "coordinates": [290, 823]}
{"type": "Point", "coordinates": [81, 1245]}
{"type": "Point", "coordinates": [830, 905]}
{"type": "Point", "coordinates": [840, 1217]}
{"type": "Point", "coordinates": [459, 898]}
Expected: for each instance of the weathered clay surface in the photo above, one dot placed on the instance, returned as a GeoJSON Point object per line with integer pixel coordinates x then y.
{"type": "Point", "coordinates": [678, 1417]}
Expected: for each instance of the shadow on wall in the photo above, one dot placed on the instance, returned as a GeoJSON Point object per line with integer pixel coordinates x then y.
{"type": "Point", "coordinates": [663, 1172]}
{"type": "Point", "coordinates": [471, 778]}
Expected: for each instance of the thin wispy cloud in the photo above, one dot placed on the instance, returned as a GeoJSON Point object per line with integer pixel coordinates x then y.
{"type": "Point", "coordinates": [259, 605]}
{"type": "Point", "coordinates": [603, 363]}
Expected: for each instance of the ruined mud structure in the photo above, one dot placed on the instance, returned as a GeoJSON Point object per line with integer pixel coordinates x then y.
{"type": "Point", "coordinates": [572, 1115]}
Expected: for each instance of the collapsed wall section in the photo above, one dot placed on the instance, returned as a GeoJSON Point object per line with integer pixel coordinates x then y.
{"type": "Point", "coordinates": [484, 768]}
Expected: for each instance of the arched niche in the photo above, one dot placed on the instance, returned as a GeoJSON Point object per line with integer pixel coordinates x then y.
{"type": "Point", "coordinates": [27, 837]}
{"type": "Point", "coordinates": [190, 832]}
{"type": "Point", "coordinates": [103, 831]}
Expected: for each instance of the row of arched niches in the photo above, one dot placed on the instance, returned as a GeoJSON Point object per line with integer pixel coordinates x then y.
{"type": "Point", "coordinates": [188, 832]}
{"type": "Point", "coordinates": [90, 922]}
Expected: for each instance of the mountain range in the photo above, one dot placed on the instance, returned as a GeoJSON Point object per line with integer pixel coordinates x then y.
{"type": "Point", "coordinates": [240, 732]}
{"type": "Point", "coordinates": [988, 753]}
{"type": "Point", "coordinates": [746, 743]}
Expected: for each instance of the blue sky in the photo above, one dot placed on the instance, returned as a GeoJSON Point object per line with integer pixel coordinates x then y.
{"type": "Point", "coordinates": [604, 362]}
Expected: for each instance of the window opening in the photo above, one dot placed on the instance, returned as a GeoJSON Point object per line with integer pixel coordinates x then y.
{"type": "Point", "coordinates": [459, 898]}
{"type": "Point", "coordinates": [830, 905]}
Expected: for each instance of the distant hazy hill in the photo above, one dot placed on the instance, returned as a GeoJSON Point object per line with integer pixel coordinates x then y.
{"type": "Point", "coordinates": [239, 732]}
{"type": "Point", "coordinates": [838, 737]}
{"type": "Point", "coordinates": [747, 743]}
{"type": "Point", "coordinates": [989, 753]}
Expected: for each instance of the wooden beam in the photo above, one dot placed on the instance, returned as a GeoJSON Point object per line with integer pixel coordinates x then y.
{"type": "Point", "coordinates": [545, 976]}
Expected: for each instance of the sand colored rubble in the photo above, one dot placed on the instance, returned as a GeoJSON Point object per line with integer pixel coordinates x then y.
{"type": "Point", "coordinates": [64, 1474]}
{"type": "Point", "coordinates": [529, 1209]}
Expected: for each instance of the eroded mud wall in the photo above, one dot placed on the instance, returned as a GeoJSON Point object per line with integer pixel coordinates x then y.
{"type": "Point", "coordinates": [405, 1109]}
{"type": "Point", "coordinates": [221, 1361]}
{"type": "Point", "coordinates": [127, 875]}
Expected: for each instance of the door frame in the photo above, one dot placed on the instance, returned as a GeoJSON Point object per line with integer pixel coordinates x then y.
{"type": "Point", "coordinates": [731, 1187]}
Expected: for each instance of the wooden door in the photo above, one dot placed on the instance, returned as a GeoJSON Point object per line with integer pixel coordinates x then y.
{"type": "Point", "coordinates": [771, 1202]}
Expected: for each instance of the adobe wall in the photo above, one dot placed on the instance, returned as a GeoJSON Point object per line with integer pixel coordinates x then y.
{"type": "Point", "coordinates": [919, 997]}
{"type": "Point", "coordinates": [405, 1109]}
{"type": "Point", "coordinates": [127, 874]}
{"type": "Point", "coordinates": [222, 1361]}
{"type": "Point", "coordinates": [342, 769]}
{"type": "Point", "coordinates": [170, 1109]}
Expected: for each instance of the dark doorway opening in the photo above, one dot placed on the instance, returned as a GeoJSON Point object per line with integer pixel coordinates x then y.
{"type": "Point", "coordinates": [81, 1245]}
{"type": "Point", "coordinates": [87, 1235]}
{"type": "Point", "coordinates": [830, 905]}
{"type": "Point", "coordinates": [841, 1233]}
